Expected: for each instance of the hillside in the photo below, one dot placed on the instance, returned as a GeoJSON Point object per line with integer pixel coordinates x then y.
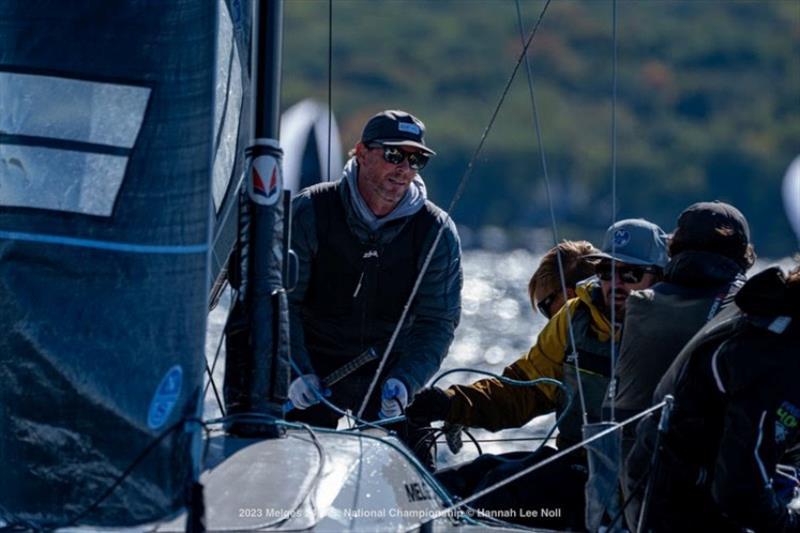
{"type": "Point", "coordinates": [708, 102]}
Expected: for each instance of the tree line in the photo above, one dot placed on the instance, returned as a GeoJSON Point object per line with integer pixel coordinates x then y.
{"type": "Point", "coordinates": [707, 107]}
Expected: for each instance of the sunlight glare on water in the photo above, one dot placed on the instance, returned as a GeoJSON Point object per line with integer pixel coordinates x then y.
{"type": "Point", "coordinates": [497, 327]}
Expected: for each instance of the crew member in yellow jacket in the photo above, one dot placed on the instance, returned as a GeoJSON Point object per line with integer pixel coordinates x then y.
{"type": "Point", "coordinates": [635, 250]}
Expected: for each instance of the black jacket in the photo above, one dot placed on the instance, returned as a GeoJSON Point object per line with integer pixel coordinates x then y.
{"type": "Point", "coordinates": [737, 406]}
{"type": "Point", "coordinates": [659, 321]}
{"type": "Point", "coordinates": [341, 306]}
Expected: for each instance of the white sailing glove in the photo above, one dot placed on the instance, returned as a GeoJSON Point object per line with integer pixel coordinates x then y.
{"type": "Point", "coordinates": [394, 392]}
{"type": "Point", "coordinates": [305, 391]}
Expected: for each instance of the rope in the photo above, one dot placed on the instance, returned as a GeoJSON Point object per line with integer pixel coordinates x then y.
{"type": "Point", "coordinates": [612, 338]}
{"type": "Point", "coordinates": [546, 461]}
{"type": "Point", "coordinates": [509, 439]}
{"type": "Point", "coordinates": [517, 382]}
{"type": "Point", "coordinates": [456, 197]}
{"type": "Point", "coordinates": [330, 84]}
{"type": "Point", "coordinates": [362, 423]}
{"type": "Point", "coordinates": [214, 387]}
{"type": "Point", "coordinates": [211, 382]}
{"type": "Point", "coordinates": [259, 417]}
{"type": "Point", "coordinates": [553, 225]}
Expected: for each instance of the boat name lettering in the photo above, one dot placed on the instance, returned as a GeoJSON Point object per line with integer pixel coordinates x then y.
{"type": "Point", "coordinates": [418, 492]}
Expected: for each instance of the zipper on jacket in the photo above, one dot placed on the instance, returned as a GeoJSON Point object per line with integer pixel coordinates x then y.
{"type": "Point", "coordinates": [358, 286]}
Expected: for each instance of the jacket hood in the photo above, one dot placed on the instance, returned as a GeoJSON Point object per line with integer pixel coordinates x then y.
{"type": "Point", "coordinates": [768, 294]}
{"type": "Point", "coordinates": [413, 200]}
{"type": "Point", "coordinates": [702, 269]}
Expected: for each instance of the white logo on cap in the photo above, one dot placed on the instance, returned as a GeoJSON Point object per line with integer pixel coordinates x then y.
{"type": "Point", "coordinates": [408, 127]}
{"type": "Point", "coordinates": [621, 238]}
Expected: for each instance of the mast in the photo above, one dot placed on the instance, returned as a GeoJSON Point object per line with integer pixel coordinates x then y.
{"type": "Point", "coordinates": [257, 360]}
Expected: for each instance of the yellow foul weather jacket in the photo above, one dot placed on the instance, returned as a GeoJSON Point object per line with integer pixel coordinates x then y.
{"type": "Point", "coordinates": [493, 405]}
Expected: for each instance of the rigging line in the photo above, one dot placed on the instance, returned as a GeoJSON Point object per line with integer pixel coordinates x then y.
{"type": "Point", "coordinates": [233, 297]}
{"type": "Point", "coordinates": [613, 333]}
{"type": "Point", "coordinates": [553, 225]}
{"type": "Point", "coordinates": [333, 407]}
{"type": "Point", "coordinates": [516, 382]}
{"type": "Point", "coordinates": [509, 439]}
{"type": "Point", "coordinates": [456, 197]}
{"type": "Point", "coordinates": [474, 441]}
{"type": "Point", "coordinates": [181, 424]}
{"type": "Point", "coordinates": [312, 488]}
{"type": "Point", "coordinates": [313, 484]}
{"type": "Point", "coordinates": [396, 446]}
{"type": "Point", "coordinates": [229, 209]}
{"type": "Point", "coordinates": [545, 462]}
{"type": "Point", "coordinates": [210, 370]}
{"type": "Point", "coordinates": [330, 84]}
{"type": "Point", "coordinates": [402, 450]}
{"type": "Point", "coordinates": [214, 387]}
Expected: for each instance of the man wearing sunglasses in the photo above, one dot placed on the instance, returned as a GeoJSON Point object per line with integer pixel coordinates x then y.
{"type": "Point", "coordinates": [710, 252]}
{"type": "Point", "coordinates": [361, 242]}
{"type": "Point", "coordinates": [633, 253]}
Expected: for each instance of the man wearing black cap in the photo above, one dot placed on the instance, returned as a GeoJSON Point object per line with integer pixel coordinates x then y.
{"type": "Point", "coordinates": [710, 252]}
{"type": "Point", "coordinates": [361, 243]}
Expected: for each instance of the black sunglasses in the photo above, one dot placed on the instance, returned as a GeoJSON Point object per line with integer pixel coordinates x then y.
{"type": "Point", "coordinates": [629, 274]}
{"type": "Point", "coordinates": [395, 156]}
{"type": "Point", "coordinates": [544, 304]}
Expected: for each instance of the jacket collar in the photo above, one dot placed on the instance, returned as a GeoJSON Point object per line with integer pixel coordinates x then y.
{"type": "Point", "coordinates": [767, 294]}
{"type": "Point", "coordinates": [702, 269]}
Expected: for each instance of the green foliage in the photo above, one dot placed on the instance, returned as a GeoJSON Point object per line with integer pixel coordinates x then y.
{"type": "Point", "coordinates": [708, 101]}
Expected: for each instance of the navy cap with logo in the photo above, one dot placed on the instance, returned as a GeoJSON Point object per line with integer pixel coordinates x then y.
{"type": "Point", "coordinates": [634, 241]}
{"type": "Point", "coordinates": [396, 128]}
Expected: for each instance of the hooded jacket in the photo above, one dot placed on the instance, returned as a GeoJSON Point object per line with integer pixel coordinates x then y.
{"type": "Point", "coordinates": [737, 406]}
{"type": "Point", "coordinates": [430, 324]}
{"type": "Point", "coordinates": [660, 320]}
{"type": "Point", "coordinates": [494, 405]}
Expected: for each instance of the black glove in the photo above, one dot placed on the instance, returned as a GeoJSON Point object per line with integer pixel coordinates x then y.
{"type": "Point", "coordinates": [429, 404]}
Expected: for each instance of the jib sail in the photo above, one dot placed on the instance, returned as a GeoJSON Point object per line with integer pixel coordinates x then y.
{"type": "Point", "coordinates": [116, 159]}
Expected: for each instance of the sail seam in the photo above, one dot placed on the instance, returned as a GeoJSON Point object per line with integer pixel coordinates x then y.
{"type": "Point", "coordinates": [113, 246]}
{"type": "Point", "coordinates": [64, 144]}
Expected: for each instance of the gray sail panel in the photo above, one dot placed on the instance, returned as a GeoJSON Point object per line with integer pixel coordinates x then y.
{"type": "Point", "coordinates": [106, 148]}
{"type": "Point", "coordinates": [232, 124]}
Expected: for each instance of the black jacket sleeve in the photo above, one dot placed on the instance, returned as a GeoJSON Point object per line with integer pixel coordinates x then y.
{"type": "Point", "coordinates": [751, 446]}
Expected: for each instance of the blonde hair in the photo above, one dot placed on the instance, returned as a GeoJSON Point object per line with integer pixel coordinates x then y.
{"type": "Point", "coordinates": [576, 267]}
{"type": "Point", "coordinates": [793, 277]}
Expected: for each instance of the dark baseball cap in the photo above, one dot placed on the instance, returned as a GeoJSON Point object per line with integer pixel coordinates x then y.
{"type": "Point", "coordinates": [714, 227]}
{"type": "Point", "coordinates": [634, 241]}
{"type": "Point", "coordinates": [396, 128]}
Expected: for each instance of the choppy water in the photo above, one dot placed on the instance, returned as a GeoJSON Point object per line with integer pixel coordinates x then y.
{"type": "Point", "coordinates": [497, 327]}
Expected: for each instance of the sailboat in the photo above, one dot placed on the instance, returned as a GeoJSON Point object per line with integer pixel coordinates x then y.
{"type": "Point", "coordinates": [131, 184]}
{"type": "Point", "coordinates": [140, 173]}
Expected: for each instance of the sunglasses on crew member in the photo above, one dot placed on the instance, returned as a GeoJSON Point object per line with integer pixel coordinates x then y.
{"type": "Point", "coordinates": [544, 304]}
{"type": "Point", "coordinates": [629, 274]}
{"type": "Point", "coordinates": [395, 156]}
